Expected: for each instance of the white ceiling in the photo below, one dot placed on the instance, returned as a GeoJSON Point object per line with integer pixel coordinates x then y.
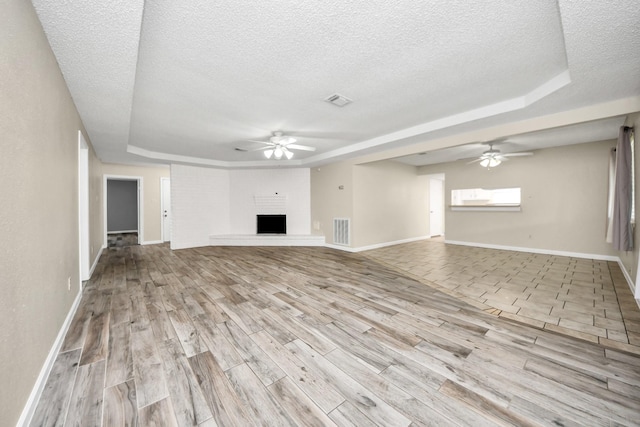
{"type": "Point", "coordinates": [190, 81]}
{"type": "Point", "coordinates": [598, 130]}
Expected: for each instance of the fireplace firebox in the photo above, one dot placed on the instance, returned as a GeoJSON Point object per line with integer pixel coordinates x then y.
{"type": "Point", "coordinates": [272, 224]}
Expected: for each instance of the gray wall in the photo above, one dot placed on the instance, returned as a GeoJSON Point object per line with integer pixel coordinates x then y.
{"type": "Point", "coordinates": [122, 205]}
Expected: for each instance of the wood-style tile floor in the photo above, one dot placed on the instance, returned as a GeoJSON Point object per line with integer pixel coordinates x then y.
{"type": "Point", "coordinates": [224, 336]}
{"type": "Point", "coordinates": [122, 239]}
{"type": "Point", "coordinates": [585, 298]}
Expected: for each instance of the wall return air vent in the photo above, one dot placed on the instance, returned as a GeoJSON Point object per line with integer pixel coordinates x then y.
{"type": "Point", "coordinates": [341, 232]}
{"type": "Point", "coordinates": [338, 100]}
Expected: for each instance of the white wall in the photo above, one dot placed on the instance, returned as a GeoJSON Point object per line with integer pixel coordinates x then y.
{"type": "Point", "coordinates": [199, 205]}
{"type": "Point", "coordinates": [291, 184]}
{"type": "Point", "coordinates": [208, 202]}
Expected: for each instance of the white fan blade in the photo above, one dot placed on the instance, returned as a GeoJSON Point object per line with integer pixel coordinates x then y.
{"type": "Point", "coordinates": [260, 142]}
{"type": "Point", "coordinates": [517, 154]}
{"type": "Point", "coordinates": [301, 147]}
{"type": "Point", "coordinates": [247, 150]}
{"type": "Point", "coordinates": [475, 161]}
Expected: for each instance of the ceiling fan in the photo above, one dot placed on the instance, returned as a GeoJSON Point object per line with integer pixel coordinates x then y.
{"type": "Point", "coordinates": [492, 157]}
{"type": "Point", "coordinates": [279, 145]}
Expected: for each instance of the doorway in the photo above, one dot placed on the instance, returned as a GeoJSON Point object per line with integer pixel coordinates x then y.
{"type": "Point", "coordinates": [123, 211]}
{"type": "Point", "coordinates": [436, 205]}
{"type": "Point", "coordinates": [165, 202]}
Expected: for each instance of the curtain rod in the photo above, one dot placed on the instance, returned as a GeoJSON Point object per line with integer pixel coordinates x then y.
{"type": "Point", "coordinates": [628, 127]}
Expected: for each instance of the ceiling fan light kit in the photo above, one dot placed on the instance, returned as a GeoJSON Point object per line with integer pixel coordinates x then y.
{"type": "Point", "coordinates": [278, 153]}
{"type": "Point", "coordinates": [492, 158]}
{"type": "Point", "coordinates": [279, 146]}
{"type": "Point", "coordinates": [490, 162]}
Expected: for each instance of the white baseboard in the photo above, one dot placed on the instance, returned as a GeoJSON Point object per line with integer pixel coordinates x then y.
{"type": "Point", "coordinates": [536, 250]}
{"type": "Point", "coordinates": [340, 247]}
{"type": "Point", "coordinates": [376, 246]}
{"type": "Point", "coordinates": [626, 276]}
{"type": "Point", "coordinates": [95, 261]}
{"type": "Point", "coordinates": [632, 286]}
{"type": "Point", "coordinates": [36, 392]}
{"type": "Point", "coordinates": [151, 242]}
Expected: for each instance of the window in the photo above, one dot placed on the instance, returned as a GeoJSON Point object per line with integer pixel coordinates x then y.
{"type": "Point", "coordinates": [502, 199]}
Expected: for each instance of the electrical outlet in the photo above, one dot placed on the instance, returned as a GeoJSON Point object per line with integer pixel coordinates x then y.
{"type": "Point", "coordinates": [69, 283]}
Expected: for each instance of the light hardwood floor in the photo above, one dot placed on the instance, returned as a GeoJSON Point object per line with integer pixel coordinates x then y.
{"type": "Point", "coordinates": [224, 336]}
{"type": "Point", "coordinates": [585, 298]}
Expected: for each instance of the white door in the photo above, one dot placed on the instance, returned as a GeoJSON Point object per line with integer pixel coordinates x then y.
{"type": "Point", "coordinates": [436, 207]}
{"type": "Point", "coordinates": [165, 186]}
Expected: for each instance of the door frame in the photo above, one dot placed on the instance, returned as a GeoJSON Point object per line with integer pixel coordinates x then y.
{"type": "Point", "coordinates": [83, 211]}
{"type": "Point", "coordinates": [162, 181]}
{"type": "Point", "coordinates": [138, 179]}
{"type": "Point", "coordinates": [441, 203]}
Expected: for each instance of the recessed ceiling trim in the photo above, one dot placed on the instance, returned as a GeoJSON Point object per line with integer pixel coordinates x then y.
{"type": "Point", "coordinates": [146, 73]}
{"type": "Point", "coordinates": [594, 112]}
{"type": "Point", "coordinates": [545, 89]}
{"type": "Point", "coordinates": [565, 118]}
{"type": "Point", "coordinates": [176, 158]}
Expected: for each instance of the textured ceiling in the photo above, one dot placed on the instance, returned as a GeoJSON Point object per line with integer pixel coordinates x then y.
{"type": "Point", "coordinates": [190, 81]}
{"type": "Point", "coordinates": [599, 130]}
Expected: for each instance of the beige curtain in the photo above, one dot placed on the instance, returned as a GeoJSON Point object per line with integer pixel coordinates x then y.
{"type": "Point", "coordinates": [622, 228]}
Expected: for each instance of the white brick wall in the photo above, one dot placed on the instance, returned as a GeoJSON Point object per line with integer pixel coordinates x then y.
{"type": "Point", "coordinates": [199, 205]}
{"type": "Point", "coordinates": [206, 201]}
{"type": "Point", "coordinates": [292, 183]}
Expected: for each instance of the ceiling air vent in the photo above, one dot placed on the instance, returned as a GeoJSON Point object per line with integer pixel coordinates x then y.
{"type": "Point", "coordinates": [338, 100]}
